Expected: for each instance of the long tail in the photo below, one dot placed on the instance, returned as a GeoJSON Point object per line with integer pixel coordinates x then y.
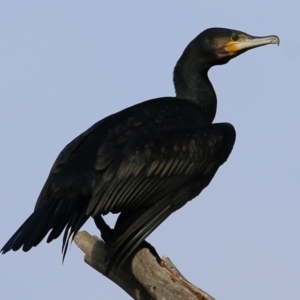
{"type": "Point", "coordinates": [54, 215]}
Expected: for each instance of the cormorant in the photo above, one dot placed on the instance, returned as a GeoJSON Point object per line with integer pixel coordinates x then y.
{"type": "Point", "coordinates": [144, 162]}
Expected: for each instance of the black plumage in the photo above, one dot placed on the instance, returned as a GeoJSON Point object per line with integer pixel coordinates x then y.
{"type": "Point", "coordinates": [144, 162]}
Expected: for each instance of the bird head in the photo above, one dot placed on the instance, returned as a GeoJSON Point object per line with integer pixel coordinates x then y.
{"type": "Point", "coordinates": [216, 46]}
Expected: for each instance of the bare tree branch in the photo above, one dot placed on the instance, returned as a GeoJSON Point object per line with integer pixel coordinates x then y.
{"type": "Point", "coordinates": [145, 276]}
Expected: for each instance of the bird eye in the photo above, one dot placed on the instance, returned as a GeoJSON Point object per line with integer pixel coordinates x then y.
{"type": "Point", "coordinates": [235, 37]}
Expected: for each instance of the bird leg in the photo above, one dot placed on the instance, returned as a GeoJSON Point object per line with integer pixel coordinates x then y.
{"type": "Point", "coordinates": [105, 230]}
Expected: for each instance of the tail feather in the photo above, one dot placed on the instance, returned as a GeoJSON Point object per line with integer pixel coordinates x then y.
{"type": "Point", "coordinates": [40, 222]}
{"type": "Point", "coordinates": [12, 243]}
{"type": "Point", "coordinates": [64, 212]}
{"type": "Point", "coordinates": [74, 224]}
{"type": "Point", "coordinates": [52, 215]}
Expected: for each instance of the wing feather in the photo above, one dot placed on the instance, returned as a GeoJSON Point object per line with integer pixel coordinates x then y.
{"type": "Point", "coordinates": [173, 167]}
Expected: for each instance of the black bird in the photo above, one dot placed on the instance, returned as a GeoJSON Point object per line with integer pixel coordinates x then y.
{"type": "Point", "coordinates": [144, 162]}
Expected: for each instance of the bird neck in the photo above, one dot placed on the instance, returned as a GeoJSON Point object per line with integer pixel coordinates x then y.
{"type": "Point", "coordinates": [192, 83]}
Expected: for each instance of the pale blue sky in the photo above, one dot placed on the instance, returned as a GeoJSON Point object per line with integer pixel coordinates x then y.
{"type": "Point", "coordinates": [66, 64]}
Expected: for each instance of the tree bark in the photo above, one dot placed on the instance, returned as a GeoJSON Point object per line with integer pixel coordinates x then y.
{"type": "Point", "coordinates": [145, 276]}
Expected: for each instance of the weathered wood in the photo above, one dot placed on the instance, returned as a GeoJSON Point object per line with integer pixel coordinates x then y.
{"type": "Point", "coordinates": [145, 276]}
{"type": "Point", "coordinates": [94, 250]}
